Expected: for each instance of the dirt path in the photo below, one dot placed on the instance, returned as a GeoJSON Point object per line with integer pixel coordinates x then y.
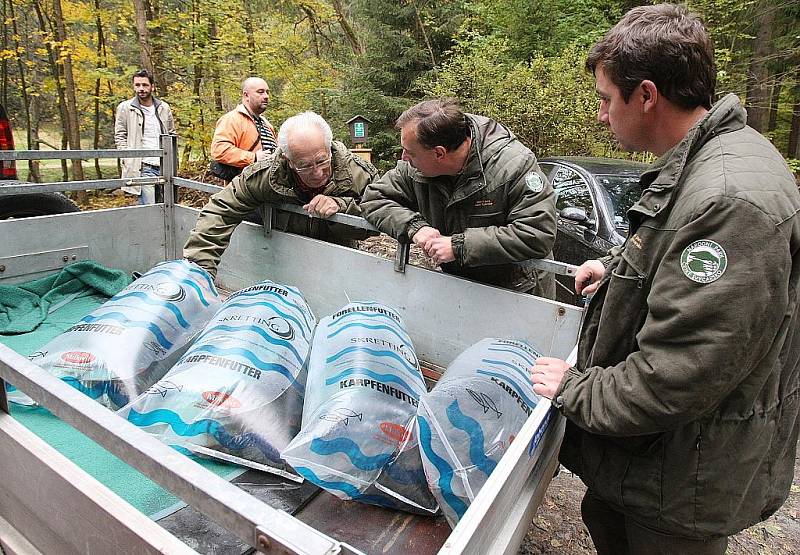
{"type": "Point", "coordinates": [557, 527]}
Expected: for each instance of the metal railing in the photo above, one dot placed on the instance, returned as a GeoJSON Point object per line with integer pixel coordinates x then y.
{"type": "Point", "coordinates": [170, 180]}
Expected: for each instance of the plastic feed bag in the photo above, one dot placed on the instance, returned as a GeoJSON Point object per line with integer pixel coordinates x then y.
{"type": "Point", "coordinates": [126, 345]}
{"type": "Point", "coordinates": [358, 440]}
{"type": "Point", "coordinates": [471, 416]}
{"type": "Point", "coordinates": [239, 389]}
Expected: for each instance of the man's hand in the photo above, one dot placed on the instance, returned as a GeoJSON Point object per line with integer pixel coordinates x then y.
{"type": "Point", "coordinates": [588, 277]}
{"type": "Point", "coordinates": [322, 206]}
{"type": "Point", "coordinates": [260, 155]}
{"type": "Point", "coordinates": [424, 234]}
{"type": "Point", "coordinates": [547, 374]}
{"type": "Point", "coordinates": [440, 249]}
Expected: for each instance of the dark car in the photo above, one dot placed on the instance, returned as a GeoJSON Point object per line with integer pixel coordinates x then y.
{"type": "Point", "coordinates": [33, 204]}
{"type": "Point", "coordinates": [592, 198]}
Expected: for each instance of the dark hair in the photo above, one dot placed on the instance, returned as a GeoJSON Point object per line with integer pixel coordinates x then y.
{"type": "Point", "coordinates": [439, 123]}
{"type": "Point", "coordinates": [144, 73]}
{"type": "Point", "coordinates": [664, 44]}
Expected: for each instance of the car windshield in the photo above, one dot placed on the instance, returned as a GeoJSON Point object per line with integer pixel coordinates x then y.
{"type": "Point", "coordinates": [619, 194]}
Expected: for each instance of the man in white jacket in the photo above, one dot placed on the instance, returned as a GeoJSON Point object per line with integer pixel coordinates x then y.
{"type": "Point", "coordinates": [139, 123]}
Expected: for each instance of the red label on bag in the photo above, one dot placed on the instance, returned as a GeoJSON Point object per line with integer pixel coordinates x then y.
{"type": "Point", "coordinates": [77, 357]}
{"type": "Point", "coordinates": [395, 432]}
{"type": "Point", "coordinates": [221, 399]}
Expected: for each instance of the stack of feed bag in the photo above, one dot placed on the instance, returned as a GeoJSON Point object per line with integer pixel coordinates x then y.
{"type": "Point", "coordinates": [238, 391]}
{"type": "Point", "coordinates": [364, 383]}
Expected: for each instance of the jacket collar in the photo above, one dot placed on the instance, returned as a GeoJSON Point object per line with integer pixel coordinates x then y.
{"type": "Point", "coordinates": [136, 104]}
{"type": "Point", "coordinates": [242, 110]}
{"type": "Point", "coordinates": [488, 139]}
{"type": "Point", "coordinates": [663, 177]}
{"type": "Point", "coordinates": [283, 180]}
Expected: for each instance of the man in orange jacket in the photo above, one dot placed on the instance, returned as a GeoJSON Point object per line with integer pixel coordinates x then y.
{"type": "Point", "coordinates": [243, 135]}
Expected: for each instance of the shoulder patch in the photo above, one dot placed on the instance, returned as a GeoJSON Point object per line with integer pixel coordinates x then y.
{"type": "Point", "coordinates": [534, 182]}
{"type": "Point", "coordinates": [704, 261]}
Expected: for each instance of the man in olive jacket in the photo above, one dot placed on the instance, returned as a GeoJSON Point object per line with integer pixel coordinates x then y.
{"type": "Point", "coordinates": [309, 168]}
{"type": "Point", "coordinates": [471, 195]}
{"type": "Point", "coordinates": [683, 405]}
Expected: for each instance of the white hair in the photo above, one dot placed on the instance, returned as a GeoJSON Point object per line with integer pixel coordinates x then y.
{"type": "Point", "coordinates": [302, 121]}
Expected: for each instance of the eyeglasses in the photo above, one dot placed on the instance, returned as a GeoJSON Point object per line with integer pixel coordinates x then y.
{"type": "Point", "coordinates": [321, 164]}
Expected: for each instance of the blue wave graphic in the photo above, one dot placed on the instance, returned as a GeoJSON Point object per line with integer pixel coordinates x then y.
{"type": "Point", "coordinates": [374, 376]}
{"type": "Point", "coordinates": [350, 448]}
{"type": "Point", "coordinates": [257, 362]}
{"type": "Point", "coordinates": [348, 489]}
{"type": "Point", "coordinates": [446, 474]}
{"type": "Point", "coordinates": [182, 280]}
{"type": "Point", "coordinates": [281, 298]}
{"type": "Point", "coordinates": [301, 325]}
{"type": "Point", "coordinates": [390, 354]}
{"type": "Point", "coordinates": [519, 352]}
{"type": "Point", "coordinates": [472, 428]}
{"type": "Point", "coordinates": [258, 330]}
{"type": "Point", "coordinates": [528, 401]}
{"type": "Point", "coordinates": [154, 302]}
{"type": "Point", "coordinates": [390, 329]}
{"type": "Point", "coordinates": [504, 364]}
{"type": "Point", "coordinates": [121, 318]}
{"type": "Point", "coordinates": [94, 391]}
{"type": "Point", "coordinates": [205, 426]}
{"type": "Point", "coordinates": [205, 275]}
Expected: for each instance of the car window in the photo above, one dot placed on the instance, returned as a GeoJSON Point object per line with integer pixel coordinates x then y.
{"type": "Point", "coordinates": [620, 192]}
{"type": "Point", "coordinates": [572, 191]}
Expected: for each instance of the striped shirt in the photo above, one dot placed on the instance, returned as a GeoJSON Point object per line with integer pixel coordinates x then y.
{"type": "Point", "coordinates": [267, 135]}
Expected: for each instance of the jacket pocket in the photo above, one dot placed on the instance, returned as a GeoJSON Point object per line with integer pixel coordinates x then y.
{"type": "Point", "coordinates": [486, 220]}
{"type": "Point", "coordinates": [622, 316]}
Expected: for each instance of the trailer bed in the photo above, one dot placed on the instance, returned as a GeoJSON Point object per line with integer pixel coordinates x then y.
{"type": "Point", "coordinates": [443, 314]}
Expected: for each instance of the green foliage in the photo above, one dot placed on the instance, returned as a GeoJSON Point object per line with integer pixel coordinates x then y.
{"type": "Point", "coordinates": [519, 61]}
{"type": "Point", "coordinates": [549, 102]}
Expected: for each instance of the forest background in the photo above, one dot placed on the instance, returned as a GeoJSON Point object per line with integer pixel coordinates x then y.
{"type": "Point", "coordinates": [66, 64]}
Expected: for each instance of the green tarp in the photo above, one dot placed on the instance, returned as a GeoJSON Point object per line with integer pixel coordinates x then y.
{"type": "Point", "coordinates": [33, 313]}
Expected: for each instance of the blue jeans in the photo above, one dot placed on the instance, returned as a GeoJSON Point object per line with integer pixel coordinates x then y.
{"type": "Point", "coordinates": [148, 195]}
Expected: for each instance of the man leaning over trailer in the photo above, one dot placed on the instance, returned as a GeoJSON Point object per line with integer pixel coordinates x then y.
{"type": "Point", "coordinates": [309, 168]}
{"type": "Point", "coordinates": [471, 195]}
{"type": "Point", "coordinates": [683, 405]}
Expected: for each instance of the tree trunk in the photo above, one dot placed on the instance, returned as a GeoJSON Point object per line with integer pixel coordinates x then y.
{"type": "Point", "coordinates": [148, 53]}
{"type": "Point", "coordinates": [355, 44]}
{"type": "Point", "coordinates": [35, 111]}
{"type": "Point", "coordinates": [249, 31]}
{"type": "Point", "coordinates": [214, 69]}
{"type": "Point", "coordinates": [143, 34]}
{"type": "Point", "coordinates": [23, 85]}
{"type": "Point", "coordinates": [794, 132]}
{"type": "Point", "coordinates": [758, 78]}
{"type": "Point", "coordinates": [101, 63]}
{"type": "Point", "coordinates": [773, 105]}
{"type": "Point", "coordinates": [4, 63]}
{"type": "Point", "coordinates": [55, 72]}
{"type": "Point", "coordinates": [71, 96]}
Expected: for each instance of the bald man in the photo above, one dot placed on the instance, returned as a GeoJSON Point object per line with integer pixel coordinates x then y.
{"type": "Point", "coordinates": [243, 136]}
{"type": "Point", "coordinates": [310, 169]}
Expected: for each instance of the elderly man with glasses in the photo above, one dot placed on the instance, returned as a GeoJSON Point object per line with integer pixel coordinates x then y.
{"type": "Point", "coordinates": [309, 168]}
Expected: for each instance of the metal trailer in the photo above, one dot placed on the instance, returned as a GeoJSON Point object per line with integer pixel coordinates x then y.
{"type": "Point", "coordinates": [49, 505]}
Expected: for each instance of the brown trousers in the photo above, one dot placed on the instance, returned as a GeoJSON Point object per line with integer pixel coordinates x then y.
{"type": "Point", "coordinates": [613, 533]}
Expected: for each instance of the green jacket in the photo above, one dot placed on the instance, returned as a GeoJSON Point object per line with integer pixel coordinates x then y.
{"type": "Point", "coordinates": [271, 180]}
{"type": "Point", "coordinates": [683, 409]}
{"type": "Point", "coordinates": [500, 210]}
